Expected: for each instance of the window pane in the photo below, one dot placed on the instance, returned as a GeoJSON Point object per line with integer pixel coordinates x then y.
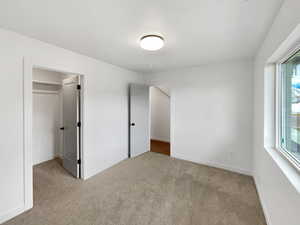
{"type": "Point", "coordinates": [290, 102]}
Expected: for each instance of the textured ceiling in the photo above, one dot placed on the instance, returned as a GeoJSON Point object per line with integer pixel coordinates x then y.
{"type": "Point", "coordinates": [196, 31]}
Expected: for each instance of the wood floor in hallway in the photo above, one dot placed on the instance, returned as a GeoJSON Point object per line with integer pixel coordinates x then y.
{"type": "Point", "coordinates": [160, 147]}
{"type": "Point", "coordinates": [151, 189]}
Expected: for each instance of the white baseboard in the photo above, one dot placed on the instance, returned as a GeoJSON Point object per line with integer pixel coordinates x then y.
{"type": "Point", "coordinates": [218, 165]}
{"type": "Point", "coordinates": [262, 202]}
{"type": "Point", "coordinates": [224, 167]}
{"type": "Point", "coordinates": [89, 174]}
{"type": "Point", "coordinates": [229, 168]}
{"type": "Point", "coordinates": [11, 213]}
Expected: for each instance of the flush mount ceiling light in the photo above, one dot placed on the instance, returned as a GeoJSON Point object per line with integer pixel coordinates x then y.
{"type": "Point", "coordinates": [152, 42]}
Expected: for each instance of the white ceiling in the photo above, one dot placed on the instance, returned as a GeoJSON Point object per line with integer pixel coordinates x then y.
{"type": "Point", "coordinates": [196, 31]}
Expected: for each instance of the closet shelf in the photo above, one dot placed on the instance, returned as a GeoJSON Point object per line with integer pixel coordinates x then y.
{"type": "Point", "coordinates": [36, 91]}
{"type": "Point", "coordinates": [46, 82]}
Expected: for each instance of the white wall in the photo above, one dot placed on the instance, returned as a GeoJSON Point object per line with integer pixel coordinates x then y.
{"type": "Point", "coordinates": [160, 115]}
{"type": "Point", "coordinates": [280, 199]}
{"type": "Point", "coordinates": [105, 127]}
{"type": "Point", "coordinates": [211, 114]}
{"type": "Point", "coordinates": [45, 127]}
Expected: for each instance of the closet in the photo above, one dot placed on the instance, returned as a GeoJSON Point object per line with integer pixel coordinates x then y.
{"type": "Point", "coordinates": [46, 115]}
{"type": "Point", "coordinates": [56, 119]}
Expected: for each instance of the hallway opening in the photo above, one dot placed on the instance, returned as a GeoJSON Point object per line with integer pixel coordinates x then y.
{"type": "Point", "coordinates": [160, 120]}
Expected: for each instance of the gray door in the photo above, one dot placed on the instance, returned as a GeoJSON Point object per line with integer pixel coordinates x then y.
{"type": "Point", "coordinates": [139, 120]}
{"type": "Point", "coordinates": [71, 119]}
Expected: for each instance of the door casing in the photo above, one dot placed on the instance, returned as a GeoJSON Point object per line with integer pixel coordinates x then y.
{"type": "Point", "coordinates": [28, 65]}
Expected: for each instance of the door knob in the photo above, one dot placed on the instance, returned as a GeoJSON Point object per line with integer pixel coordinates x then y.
{"type": "Point", "coordinates": [132, 124]}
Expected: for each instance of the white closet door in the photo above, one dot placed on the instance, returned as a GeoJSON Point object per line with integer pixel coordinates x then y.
{"type": "Point", "coordinates": [70, 123]}
{"type": "Point", "coordinates": [139, 119]}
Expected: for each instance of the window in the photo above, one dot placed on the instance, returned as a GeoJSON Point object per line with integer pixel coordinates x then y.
{"type": "Point", "coordinates": [289, 108]}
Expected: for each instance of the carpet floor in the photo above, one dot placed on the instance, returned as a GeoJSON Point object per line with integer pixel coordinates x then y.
{"type": "Point", "coordinates": [151, 189]}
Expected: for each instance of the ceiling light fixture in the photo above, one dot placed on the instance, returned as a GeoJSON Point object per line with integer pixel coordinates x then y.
{"type": "Point", "coordinates": [152, 42]}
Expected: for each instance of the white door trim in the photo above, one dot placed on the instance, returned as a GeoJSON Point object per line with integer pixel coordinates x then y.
{"type": "Point", "coordinates": [28, 65]}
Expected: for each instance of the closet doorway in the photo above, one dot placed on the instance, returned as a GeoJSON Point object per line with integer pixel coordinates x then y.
{"type": "Point", "coordinates": [56, 119]}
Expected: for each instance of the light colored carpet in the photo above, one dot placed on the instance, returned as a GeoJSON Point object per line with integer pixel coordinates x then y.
{"type": "Point", "coordinates": [149, 189]}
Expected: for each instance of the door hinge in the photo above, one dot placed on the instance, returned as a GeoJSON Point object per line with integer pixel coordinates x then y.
{"type": "Point", "coordinates": [79, 124]}
{"type": "Point", "coordinates": [78, 87]}
{"type": "Point", "coordinates": [79, 161]}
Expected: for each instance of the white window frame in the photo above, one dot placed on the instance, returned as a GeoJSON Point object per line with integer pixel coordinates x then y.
{"type": "Point", "coordinates": [279, 101]}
